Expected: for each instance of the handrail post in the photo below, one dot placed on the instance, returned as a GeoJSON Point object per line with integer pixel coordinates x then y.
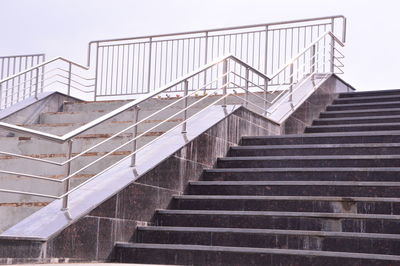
{"type": "Point", "coordinates": [37, 83]}
{"type": "Point", "coordinates": [68, 172]}
{"type": "Point", "coordinates": [185, 102]}
{"type": "Point", "coordinates": [312, 61]}
{"type": "Point", "coordinates": [95, 72]}
{"type": "Point", "coordinates": [332, 56]}
{"type": "Point", "coordinates": [225, 80]}
{"type": "Point", "coordinates": [135, 130]}
{"type": "Point", "coordinates": [265, 95]}
{"type": "Point", "coordinates": [1, 94]}
{"type": "Point", "coordinates": [69, 79]}
{"type": "Point", "coordinates": [247, 87]}
{"type": "Point", "coordinates": [149, 69]}
{"type": "Point", "coordinates": [205, 61]}
{"type": "Point", "coordinates": [291, 83]}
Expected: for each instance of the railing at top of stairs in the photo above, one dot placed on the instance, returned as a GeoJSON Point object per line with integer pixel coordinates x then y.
{"type": "Point", "coordinates": [233, 79]}
{"type": "Point", "coordinates": [133, 66]}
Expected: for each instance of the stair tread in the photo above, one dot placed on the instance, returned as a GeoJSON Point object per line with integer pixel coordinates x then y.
{"type": "Point", "coordinates": [330, 134]}
{"type": "Point", "coordinates": [354, 93]}
{"type": "Point", "coordinates": [357, 118]}
{"type": "Point", "coordinates": [355, 125]}
{"type": "Point", "coordinates": [260, 250]}
{"type": "Point", "coordinates": [304, 169]}
{"type": "Point", "coordinates": [361, 111]}
{"type": "Point", "coordinates": [286, 198]}
{"type": "Point", "coordinates": [366, 98]}
{"type": "Point", "coordinates": [295, 183]}
{"type": "Point", "coordinates": [313, 146]}
{"type": "Point", "coordinates": [309, 157]}
{"type": "Point", "coordinates": [364, 104]}
{"type": "Point", "coordinates": [269, 231]}
{"type": "Point", "coordinates": [299, 214]}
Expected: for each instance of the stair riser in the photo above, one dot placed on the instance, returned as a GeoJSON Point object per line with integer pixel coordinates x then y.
{"type": "Point", "coordinates": [301, 175]}
{"type": "Point", "coordinates": [366, 100]}
{"type": "Point", "coordinates": [296, 190]}
{"type": "Point", "coordinates": [355, 121]}
{"type": "Point", "coordinates": [352, 128]}
{"type": "Point", "coordinates": [315, 151]}
{"type": "Point", "coordinates": [220, 258]}
{"type": "Point", "coordinates": [337, 162]}
{"type": "Point", "coordinates": [281, 222]}
{"type": "Point", "coordinates": [365, 113]}
{"type": "Point", "coordinates": [362, 107]}
{"type": "Point", "coordinates": [287, 205]}
{"type": "Point", "coordinates": [323, 140]}
{"type": "Point", "coordinates": [299, 242]}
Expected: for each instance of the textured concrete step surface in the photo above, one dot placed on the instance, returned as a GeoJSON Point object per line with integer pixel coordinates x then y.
{"type": "Point", "coordinates": [296, 188]}
{"type": "Point", "coordinates": [313, 221]}
{"type": "Point", "coordinates": [368, 205]}
{"type": "Point", "coordinates": [325, 138]}
{"type": "Point", "coordinates": [357, 120]}
{"type": "Point", "coordinates": [303, 174]}
{"type": "Point", "coordinates": [360, 113]}
{"type": "Point", "coordinates": [310, 161]}
{"type": "Point", "coordinates": [270, 238]}
{"type": "Point", "coordinates": [316, 149]}
{"type": "Point", "coordinates": [369, 93]}
{"type": "Point", "coordinates": [217, 255]}
{"type": "Point", "coordinates": [354, 127]}
{"type": "Point", "coordinates": [363, 106]}
{"type": "Point", "coordinates": [367, 99]}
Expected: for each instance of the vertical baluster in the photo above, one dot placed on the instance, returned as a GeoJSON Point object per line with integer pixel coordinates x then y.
{"type": "Point", "coordinates": [68, 172]}
{"type": "Point", "coordinates": [185, 102]}
{"type": "Point", "coordinates": [135, 130]}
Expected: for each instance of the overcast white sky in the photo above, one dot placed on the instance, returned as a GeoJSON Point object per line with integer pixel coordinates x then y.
{"type": "Point", "coordinates": [64, 27]}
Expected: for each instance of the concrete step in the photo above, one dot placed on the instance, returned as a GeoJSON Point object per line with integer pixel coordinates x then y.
{"type": "Point", "coordinates": [325, 138]}
{"type": "Point", "coordinates": [315, 149]}
{"type": "Point", "coordinates": [309, 161]}
{"type": "Point", "coordinates": [104, 128]}
{"type": "Point", "coordinates": [367, 99]}
{"type": "Point", "coordinates": [296, 188]}
{"type": "Point", "coordinates": [353, 128]}
{"type": "Point", "coordinates": [361, 113]}
{"type": "Point", "coordinates": [303, 174]}
{"type": "Point", "coordinates": [312, 221]}
{"type": "Point", "coordinates": [367, 205]}
{"type": "Point", "coordinates": [85, 117]}
{"type": "Point", "coordinates": [29, 145]}
{"type": "Point", "coordinates": [357, 120]}
{"type": "Point", "coordinates": [221, 255]}
{"type": "Point", "coordinates": [50, 170]}
{"type": "Point", "coordinates": [369, 93]}
{"type": "Point", "coordinates": [270, 238]}
{"type": "Point", "coordinates": [363, 106]}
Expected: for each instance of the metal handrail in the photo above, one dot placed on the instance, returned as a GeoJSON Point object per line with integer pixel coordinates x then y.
{"type": "Point", "coordinates": [75, 132]}
{"type": "Point", "coordinates": [43, 64]}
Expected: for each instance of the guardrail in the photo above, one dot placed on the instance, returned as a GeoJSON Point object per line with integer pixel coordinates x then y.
{"type": "Point", "coordinates": [58, 74]}
{"type": "Point", "coordinates": [10, 65]}
{"type": "Point", "coordinates": [129, 66]}
{"type": "Point", "coordinates": [235, 80]}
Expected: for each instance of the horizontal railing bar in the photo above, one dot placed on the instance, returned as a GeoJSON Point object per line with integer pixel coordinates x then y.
{"type": "Point", "coordinates": [220, 29]}
{"type": "Point", "coordinates": [31, 176]}
{"type": "Point", "coordinates": [29, 193]}
{"type": "Point", "coordinates": [41, 65]}
{"type": "Point", "coordinates": [28, 55]}
{"type": "Point", "coordinates": [30, 158]}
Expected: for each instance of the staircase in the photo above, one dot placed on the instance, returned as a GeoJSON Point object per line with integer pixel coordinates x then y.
{"type": "Point", "coordinates": [330, 196]}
